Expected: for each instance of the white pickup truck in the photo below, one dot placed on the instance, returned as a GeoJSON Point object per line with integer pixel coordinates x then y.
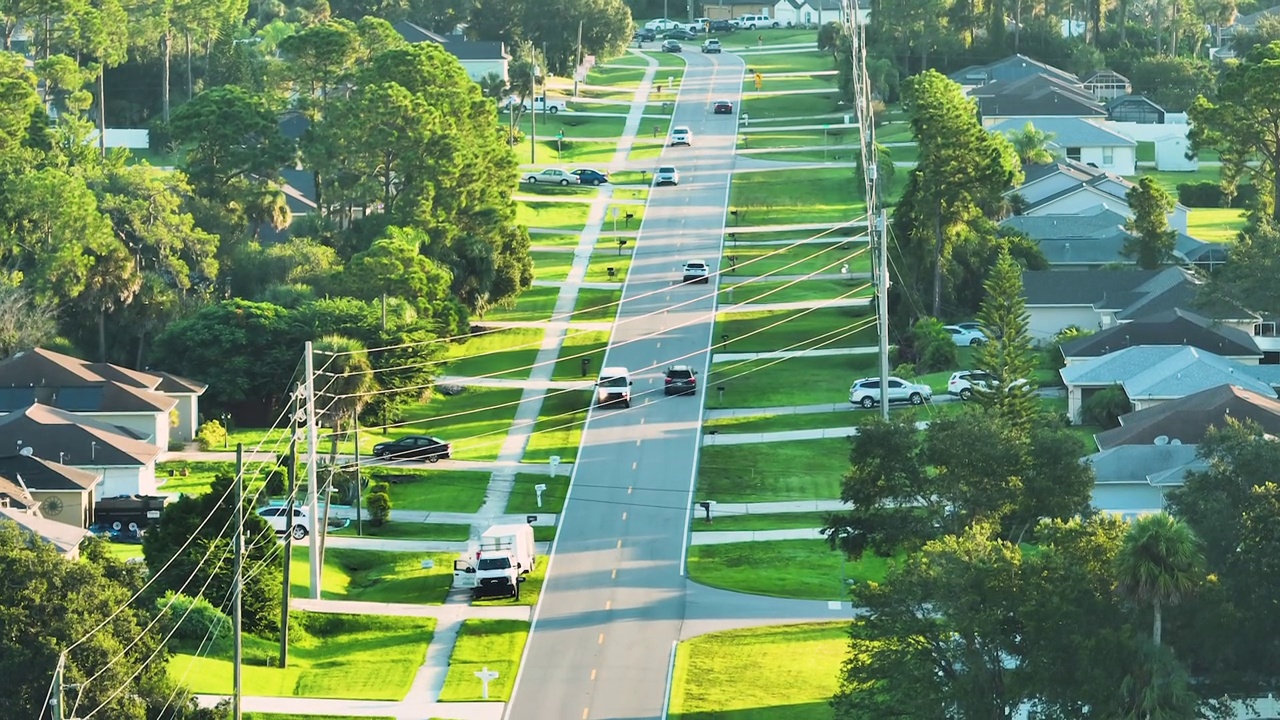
{"type": "Point", "coordinates": [506, 555]}
{"type": "Point", "coordinates": [540, 103]}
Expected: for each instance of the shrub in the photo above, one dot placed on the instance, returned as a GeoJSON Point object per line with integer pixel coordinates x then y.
{"type": "Point", "coordinates": [1104, 407]}
{"type": "Point", "coordinates": [201, 617]}
{"type": "Point", "coordinates": [211, 436]}
{"type": "Point", "coordinates": [1209, 194]}
{"type": "Point", "coordinates": [379, 506]}
{"type": "Point", "coordinates": [380, 487]}
{"type": "Point", "coordinates": [935, 350]}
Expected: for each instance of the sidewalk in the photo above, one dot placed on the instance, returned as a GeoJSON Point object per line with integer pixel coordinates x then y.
{"type": "Point", "coordinates": [798, 305]}
{"type": "Point", "coordinates": [779, 354]}
{"type": "Point", "coordinates": [522, 383]}
{"type": "Point", "coordinates": [322, 707]}
{"type": "Point", "coordinates": [789, 435]}
{"type": "Point", "coordinates": [789, 506]}
{"type": "Point", "coordinates": [717, 537]}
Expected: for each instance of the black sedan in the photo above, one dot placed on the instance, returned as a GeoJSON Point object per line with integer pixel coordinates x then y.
{"type": "Point", "coordinates": [680, 34]}
{"type": "Point", "coordinates": [723, 107]}
{"type": "Point", "coordinates": [414, 447]}
{"type": "Point", "coordinates": [722, 26]}
{"type": "Point", "coordinates": [644, 35]}
{"type": "Point", "coordinates": [587, 176]}
{"type": "Point", "coordinates": [671, 46]}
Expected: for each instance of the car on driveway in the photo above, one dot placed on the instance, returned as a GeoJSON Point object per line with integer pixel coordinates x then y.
{"type": "Point", "coordinates": [965, 338]}
{"type": "Point", "coordinates": [680, 34]}
{"type": "Point", "coordinates": [722, 107]}
{"type": "Point", "coordinates": [666, 175]}
{"type": "Point", "coordinates": [962, 382]}
{"type": "Point", "coordinates": [680, 380]}
{"type": "Point", "coordinates": [552, 176]}
{"type": "Point", "coordinates": [866, 392]}
{"type": "Point", "coordinates": [681, 136]}
{"type": "Point", "coordinates": [277, 516]}
{"type": "Point", "coordinates": [722, 26]}
{"type": "Point", "coordinates": [587, 176]}
{"type": "Point", "coordinates": [695, 271]}
{"type": "Point", "coordinates": [671, 46]}
{"type": "Point", "coordinates": [711, 45]}
{"type": "Point", "coordinates": [414, 447]}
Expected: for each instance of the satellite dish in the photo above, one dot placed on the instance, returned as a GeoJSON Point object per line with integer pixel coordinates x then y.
{"type": "Point", "coordinates": [27, 451]}
{"type": "Point", "coordinates": [52, 506]}
{"type": "Point", "coordinates": [1175, 441]}
{"type": "Point", "coordinates": [1162, 440]}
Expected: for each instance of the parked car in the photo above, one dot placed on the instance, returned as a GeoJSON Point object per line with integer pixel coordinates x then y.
{"type": "Point", "coordinates": [661, 24]}
{"type": "Point", "coordinates": [587, 176]}
{"type": "Point", "coordinates": [970, 325]}
{"type": "Point", "coordinates": [277, 516]}
{"type": "Point", "coordinates": [540, 103]}
{"type": "Point", "coordinates": [681, 136]}
{"type": "Point", "coordinates": [696, 271]}
{"type": "Point", "coordinates": [711, 45]}
{"type": "Point", "coordinates": [645, 35]}
{"type": "Point", "coordinates": [553, 176]}
{"type": "Point", "coordinates": [671, 46]}
{"type": "Point", "coordinates": [414, 447]}
{"type": "Point", "coordinates": [722, 26]}
{"type": "Point", "coordinates": [666, 175]}
{"type": "Point", "coordinates": [680, 380]}
{"type": "Point", "coordinates": [680, 34]}
{"type": "Point", "coordinates": [965, 338]}
{"type": "Point", "coordinates": [751, 22]}
{"type": "Point", "coordinates": [962, 382]}
{"type": "Point", "coordinates": [723, 107]}
{"type": "Point", "coordinates": [866, 392]}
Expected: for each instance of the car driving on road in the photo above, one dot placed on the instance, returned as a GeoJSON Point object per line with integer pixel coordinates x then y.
{"type": "Point", "coordinates": [681, 136]}
{"type": "Point", "coordinates": [666, 175]}
{"type": "Point", "coordinates": [587, 176]}
{"type": "Point", "coordinates": [414, 447]}
{"type": "Point", "coordinates": [711, 45]}
{"type": "Point", "coordinates": [696, 271]}
{"type": "Point", "coordinates": [553, 176]}
{"type": "Point", "coordinates": [866, 392]}
{"type": "Point", "coordinates": [722, 107]}
{"type": "Point", "coordinates": [680, 380]}
{"type": "Point", "coordinates": [671, 46]}
{"type": "Point", "coordinates": [614, 386]}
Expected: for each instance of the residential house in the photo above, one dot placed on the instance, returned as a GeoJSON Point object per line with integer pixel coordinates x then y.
{"type": "Point", "coordinates": [61, 493]}
{"type": "Point", "coordinates": [1188, 419]}
{"type": "Point", "coordinates": [1171, 327]}
{"type": "Point", "coordinates": [1242, 24]}
{"type": "Point", "coordinates": [1096, 237]}
{"type": "Point", "coordinates": [1098, 300]}
{"type": "Point", "coordinates": [1080, 140]}
{"type": "Point", "coordinates": [1135, 109]}
{"type": "Point", "coordinates": [1107, 85]}
{"type": "Point", "coordinates": [1067, 187]}
{"type": "Point", "coordinates": [1132, 480]}
{"type": "Point", "coordinates": [1014, 67]}
{"type": "Point", "coordinates": [156, 406]}
{"type": "Point", "coordinates": [479, 58]}
{"type": "Point", "coordinates": [1152, 374]}
{"type": "Point", "coordinates": [730, 10]}
{"type": "Point", "coordinates": [65, 538]}
{"type": "Point", "coordinates": [809, 13]}
{"type": "Point", "coordinates": [126, 463]}
{"type": "Point", "coordinates": [1035, 96]}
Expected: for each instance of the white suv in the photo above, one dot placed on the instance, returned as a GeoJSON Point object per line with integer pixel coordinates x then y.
{"type": "Point", "coordinates": [277, 516]}
{"type": "Point", "coordinates": [696, 271]}
{"type": "Point", "coordinates": [681, 136]}
{"type": "Point", "coordinates": [962, 383]}
{"type": "Point", "coordinates": [666, 175]}
{"type": "Point", "coordinates": [613, 386]}
{"type": "Point", "coordinates": [751, 22]}
{"type": "Point", "coordinates": [866, 392]}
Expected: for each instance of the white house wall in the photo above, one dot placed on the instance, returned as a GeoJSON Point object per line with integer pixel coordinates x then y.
{"type": "Point", "coordinates": [1045, 322]}
{"type": "Point", "coordinates": [153, 427]}
{"type": "Point", "coordinates": [1124, 160]}
{"type": "Point", "coordinates": [478, 69]}
{"type": "Point", "coordinates": [125, 480]}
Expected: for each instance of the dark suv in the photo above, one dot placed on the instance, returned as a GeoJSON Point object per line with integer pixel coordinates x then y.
{"type": "Point", "coordinates": [681, 380]}
{"type": "Point", "coordinates": [722, 26]}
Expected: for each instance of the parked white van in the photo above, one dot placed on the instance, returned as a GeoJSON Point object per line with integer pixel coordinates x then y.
{"type": "Point", "coordinates": [751, 22]}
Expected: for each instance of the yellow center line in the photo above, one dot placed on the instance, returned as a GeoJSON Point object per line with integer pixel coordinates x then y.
{"type": "Point", "coordinates": [608, 604]}
{"type": "Point", "coordinates": [584, 713]}
{"type": "Point", "coordinates": [593, 674]}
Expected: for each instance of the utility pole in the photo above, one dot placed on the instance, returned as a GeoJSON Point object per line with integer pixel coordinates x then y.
{"type": "Point", "coordinates": [312, 490]}
{"type": "Point", "coordinates": [882, 306]}
{"type": "Point", "coordinates": [384, 311]}
{"type": "Point", "coordinates": [578, 68]}
{"type": "Point", "coordinates": [238, 589]}
{"type": "Point", "coordinates": [359, 489]}
{"type": "Point", "coordinates": [288, 543]}
{"type": "Point", "coordinates": [533, 109]}
{"type": "Point", "coordinates": [55, 697]}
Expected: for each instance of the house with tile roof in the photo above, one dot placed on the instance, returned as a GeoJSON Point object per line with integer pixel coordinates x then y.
{"type": "Point", "coordinates": [126, 462]}
{"type": "Point", "coordinates": [1132, 480]}
{"type": "Point", "coordinates": [1095, 238]}
{"type": "Point", "coordinates": [478, 57]}
{"type": "Point", "coordinates": [1013, 67]}
{"type": "Point", "coordinates": [1189, 419]}
{"type": "Point", "coordinates": [1153, 374]}
{"type": "Point", "coordinates": [60, 492]}
{"type": "Point", "coordinates": [156, 406]}
{"type": "Point", "coordinates": [1036, 96]}
{"type": "Point", "coordinates": [1067, 187]}
{"type": "Point", "coordinates": [1080, 140]}
{"type": "Point", "coordinates": [1171, 327]}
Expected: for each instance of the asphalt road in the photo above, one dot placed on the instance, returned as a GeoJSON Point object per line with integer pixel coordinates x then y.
{"type": "Point", "coordinates": [614, 601]}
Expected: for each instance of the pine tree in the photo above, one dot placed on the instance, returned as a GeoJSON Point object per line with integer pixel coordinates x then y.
{"type": "Point", "coordinates": [1152, 241]}
{"type": "Point", "coordinates": [1007, 356]}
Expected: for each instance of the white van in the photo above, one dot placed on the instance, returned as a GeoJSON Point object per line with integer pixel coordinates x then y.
{"type": "Point", "coordinates": [751, 22]}
{"type": "Point", "coordinates": [613, 386]}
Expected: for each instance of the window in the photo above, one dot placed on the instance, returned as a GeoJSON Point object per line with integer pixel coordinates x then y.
{"type": "Point", "coordinates": [1108, 156]}
{"type": "Point", "coordinates": [1264, 329]}
{"type": "Point", "coordinates": [1073, 153]}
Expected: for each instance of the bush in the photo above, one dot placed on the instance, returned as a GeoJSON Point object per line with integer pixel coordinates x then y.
{"type": "Point", "coordinates": [1105, 407]}
{"type": "Point", "coordinates": [379, 506]}
{"type": "Point", "coordinates": [380, 487]}
{"type": "Point", "coordinates": [1064, 336]}
{"type": "Point", "coordinates": [211, 436]}
{"type": "Point", "coordinates": [201, 618]}
{"type": "Point", "coordinates": [935, 350]}
{"type": "Point", "coordinates": [1209, 195]}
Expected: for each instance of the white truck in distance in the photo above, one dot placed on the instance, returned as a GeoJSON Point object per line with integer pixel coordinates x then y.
{"type": "Point", "coordinates": [505, 556]}
{"type": "Point", "coordinates": [540, 103]}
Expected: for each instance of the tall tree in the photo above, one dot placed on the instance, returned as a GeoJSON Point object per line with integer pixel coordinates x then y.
{"type": "Point", "coordinates": [1151, 241]}
{"type": "Point", "coordinates": [347, 380]}
{"type": "Point", "coordinates": [317, 59]}
{"type": "Point", "coordinates": [102, 34]}
{"type": "Point", "coordinates": [233, 136]}
{"type": "Point", "coordinates": [1006, 357]}
{"type": "Point", "coordinates": [24, 322]}
{"type": "Point", "coordinates": [1159, 564]}
{"type": "Point", "coordinates": [552, 26]}
{"type": "Point", "coordinates": [18, 104]}
{"type": "Point", "coordinates": [1247, 279]}
{"type": "Point", "coordinates": [1243, 124]}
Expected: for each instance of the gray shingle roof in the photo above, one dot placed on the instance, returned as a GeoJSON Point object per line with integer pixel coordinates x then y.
{"type": "Point", "coordinates": [1013, 66]}
{"type": "Point", "coordinates": [1067, 131]}
{"type": "Point", "coordinates": [42, 475]}
{"type": "Point", "coordinates": [81, 441]}
{"type": "Point", "coordinates": [1144, 464]}
{"type": "Point", "coordinates": [1038, 96]}
{"type": "Point", "coordinates": [1189, 418]}
{"type": "Point", "coordinates": [1092, 288]}
{"type": "Point", "coordinates": [458, 46]}
{"type": "Point", "coordinates": [1171, 327]}
{"type": "Point", "coordinates": [1155, 372]}
{"type": "Point", "coordinates": [73, 384]}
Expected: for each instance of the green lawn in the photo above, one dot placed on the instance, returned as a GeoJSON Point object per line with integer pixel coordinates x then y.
{"type": "Point", "coordinates": [492, 644]}
{"type": "Point", "coordinates": [1215, 224]}
{"type": "Point", "coordinates": [769, 472]}
{"type": "Point", "coordinates": [552, 215]}
{"type": "Point", "coordinates": [796, 196]}
{"type": "Point", "coordinates": [274, 716]}
{"type": "Point", "coordinates": [797, 105]}
{"type": "Point", "coordinates": [668, 63]}
{"type": "Point", "coordinates": [375, 576]}
{"type": "Point", "coordinates": [647, 149]}
{"type": "Point", "coordinates": [626, 75]}
{"type": "Point", "coordinates": [821, 155]}
{"type": "Point", "coordinates": [357, 657]}
{"type": "Point", "coordinates": [443, 532]}
{"type": "Point", "coordinates": [558, 430]}
{"type": "Point", "coordinates": [766, 673]}
{"type": "Point", "coordinates": [198, 478]}
{"type": "Point", "coordinates": [548, 192]}
{"type": "Point", "coordinates": [535, 303]}
{"type": "Point", "coordinates": [593, 305]}
{"type": "Point", "coordinates": [554, 240]}
{"type": "Point", "coordinates": [1170, 179]}
{"type": "Point", "coordinates": [569, 367]}
{"type": "Point", "coordinates": [747, 39]}
{"type": "Point", "coordinates": [762, 331]}
{"type": "Point", "coordinates": [792, 381]}
{"type": "Point", "coordinates": [551, 266]}
{"type": "Point", "coordinates": [123, 551]}
{"type": "Point", "coordinates": [460, 491]}
{"type": "Point", "coordinates": [530, 589]}
{"type": "Point", "coordinates": [778, 423]}
{"type": "Point", "coordinates": [789, 291]}
{"type": "Point", "coordinates": [797, 138]}
{"type": "Point", "coordinates": [606, 256]}
{"type": "Point", "coordinates": [835, 234]}
{"type": "Point", "coordinates": [763, 521]}
{"type": "Point", "coordinates": [636, 211]}
{"type": "Point", "coordinates": [799, 82]}
{"type": "Point", "coordinates": [575, 126]}
{"type": "Point", "coordinates": [475, 421]}
{"type": "Point", "coordinates": [804, 569]}
{"type": "Point", "coordinates": [756, 260]}
{"type": "Point", "coordinates": [501, 353]}
{"type": "Point", "coordinates": [524, 498]}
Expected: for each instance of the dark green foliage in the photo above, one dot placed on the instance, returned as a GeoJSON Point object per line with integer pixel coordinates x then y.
{"type": "Point", "coordinates": [933, 346]}
{"type": "Point", "coordinates": [1211, 195]}
{"type": "Point", "coordinates": [1151, 241]}
{"type": "Point", "coordinates": [1247, 280]}
{"type": "Point", "coordinates": [1104, 407]}
{"type": "Point", "coordinates": [1007, 356]}
{"type": "Point", "coordinates": [379, 505]}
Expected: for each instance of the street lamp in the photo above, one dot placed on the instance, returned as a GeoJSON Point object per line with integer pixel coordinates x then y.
{"type": "Point", "coordinates": [226, 428]}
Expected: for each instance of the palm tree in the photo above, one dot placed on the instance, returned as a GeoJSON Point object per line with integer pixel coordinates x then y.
{"type": "Point", "coordinates": [344, 380]}
{"type": "Point", "coordinates": [1032, 145]}
{"type": "Point", "coordinates": [1158, 563]}
{"type": "Point", "coordinates": [493, 86]}
{"type": "Point", "coordinates": [266, 206]}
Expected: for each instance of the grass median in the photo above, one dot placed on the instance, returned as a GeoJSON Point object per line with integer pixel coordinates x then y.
{"type": "Point", "coordinates": [501, 353]}
{"type": "Point", "coordinates": [460, 491]}
{"type": "Point", "coordinates": [766, 330]}
{"type": "Point", "coordinates": [800, 569]}
{"type": "Point", "coordinates": [348, 657]}
{"type": "Point", "coordinates": [763, 673]}
{"type": "Point", "coordinates": [773, 472]}
{"type": "Point", "coordinates": [492, 644]}
{"type": "Point", "coordinates": [375, 576]}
